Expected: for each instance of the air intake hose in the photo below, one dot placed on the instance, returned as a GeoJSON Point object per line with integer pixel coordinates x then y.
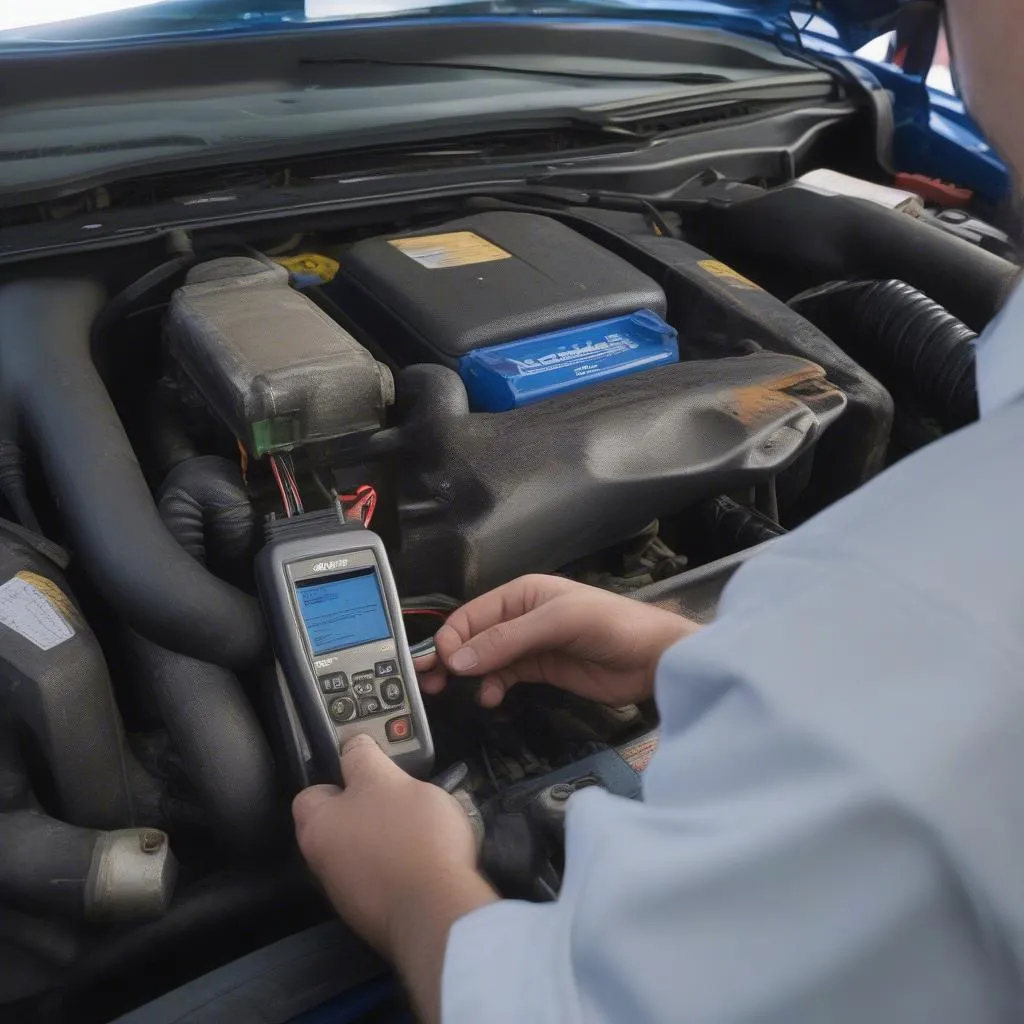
{"type": "Point", "coordinates": [205, 505]}
{"type": "Point", "coordinates": [912, 343]}
{"type": "Point", "coordinates": [124, 875]}
{"type": "Point", "coordinates": [54, 681]}
{"type": "Point", "coordinates": [47, 371]}
{"type": "Point", "coordinates": [49, 865]}
{"type": "Point", "coordinates": [223, 750]}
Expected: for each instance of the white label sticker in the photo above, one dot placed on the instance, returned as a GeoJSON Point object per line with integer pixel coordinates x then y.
{"type": "Point", "coordinates": [29, 612]}
{"type": "Point", "coordinates": [455, 249]}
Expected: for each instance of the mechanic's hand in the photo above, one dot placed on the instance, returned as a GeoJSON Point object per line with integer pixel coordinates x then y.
{"type": "Point", "coordinates": [548, 629]}
{"type": "Point", "coordinates": [387, 848]}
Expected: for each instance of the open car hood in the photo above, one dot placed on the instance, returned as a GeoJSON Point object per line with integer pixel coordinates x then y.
{"type": "Point", "coordinates": [855, 21]}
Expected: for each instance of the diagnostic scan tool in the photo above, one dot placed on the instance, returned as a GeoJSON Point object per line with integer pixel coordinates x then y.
{"type": "Point", "coordinates": [336, 625]}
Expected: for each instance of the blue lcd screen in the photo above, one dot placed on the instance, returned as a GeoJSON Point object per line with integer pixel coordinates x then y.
{"type": "Point", "coordinates": [343, 611]}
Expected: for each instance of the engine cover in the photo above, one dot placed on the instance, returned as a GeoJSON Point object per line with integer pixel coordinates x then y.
{"type": "Point", "coordinates": [488, 496]}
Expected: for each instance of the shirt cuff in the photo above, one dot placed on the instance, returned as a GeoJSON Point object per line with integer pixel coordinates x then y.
{"type": "Point", "coordinates": [507, 963]}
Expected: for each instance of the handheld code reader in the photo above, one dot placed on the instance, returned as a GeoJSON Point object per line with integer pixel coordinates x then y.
{"type": "Point", "coordinates": [336, 625]}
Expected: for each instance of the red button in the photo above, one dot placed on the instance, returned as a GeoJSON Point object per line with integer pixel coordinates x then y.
{"type": "Point", "coordinates": [398, 729]}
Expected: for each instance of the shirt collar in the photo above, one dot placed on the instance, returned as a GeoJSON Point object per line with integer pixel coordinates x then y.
{"type": "Point", "coordinates": [1000, 356]}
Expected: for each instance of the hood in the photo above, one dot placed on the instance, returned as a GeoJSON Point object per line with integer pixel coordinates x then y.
{"type": "Point", "coordinates": [846, 23]}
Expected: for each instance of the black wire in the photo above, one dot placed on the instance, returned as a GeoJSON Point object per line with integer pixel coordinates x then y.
{"type": "Point", "coordinates": [329, 493]}
{"type": "Point", "coordinates": [289, 468]}
{"type": "Point", "coordinates": [282, 490]}
{"type": "Point", "coordinates": [118, 306]}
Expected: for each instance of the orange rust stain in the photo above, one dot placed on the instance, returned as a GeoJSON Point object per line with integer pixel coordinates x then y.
{"type": "Point", "coordinates": [755, 403]}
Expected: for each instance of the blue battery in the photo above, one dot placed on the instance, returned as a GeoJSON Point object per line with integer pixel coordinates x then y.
{"type": "Point", "coordinates": [517, 373]}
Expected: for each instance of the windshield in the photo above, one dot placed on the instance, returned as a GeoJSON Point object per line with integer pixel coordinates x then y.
{"type": "Point", "coordinates": [72, 21]}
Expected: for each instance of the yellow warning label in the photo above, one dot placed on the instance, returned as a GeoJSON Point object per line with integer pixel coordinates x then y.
{"type": "Point", "coordinates": [51, 592]}
{"type": "Point", "coordinates": [455, 249]}
{"type": "Point", "coordinates": [734, 277]}
{"type": "Point", "coordinates": [311, 264]}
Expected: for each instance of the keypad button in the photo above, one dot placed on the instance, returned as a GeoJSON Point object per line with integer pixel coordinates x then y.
{"type": "Point", "coordinates": [336, 682]}
{"type": "Point", "coordinates": [342, 709]}
{"type": "Point", "coordinates": [366, 676]}
{"type": "Point", "coordinates": [363, 689]}
{"type": "Point", "coordinates": [398, 729]}
{"type": "Point", "coordinates": [369, 706]}
{"type": "Point", "coordinates": [391, 691]}
{"type": "Point", "coordinates": [385, 668]}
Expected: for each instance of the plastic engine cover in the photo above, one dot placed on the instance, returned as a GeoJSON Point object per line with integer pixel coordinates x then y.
{"type": "Point", "coordinates": [269, 362]}
{"type": "Point", "coordinates": [484, 280]}
{"type": "Point", "coordinates": [489, 496]}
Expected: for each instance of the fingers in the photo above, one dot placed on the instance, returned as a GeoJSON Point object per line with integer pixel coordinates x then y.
{"type": "Point", "coordinates": [506, 602]}
{"type": "Point", "coordinates": [492, 691]}
{"type": "Point", "coordinates": [363, 763]}
{"type": "Point", "coordinates": [306, 804]}
{"type": "Point", "coordinates": [516, 640]}
{"type": "Point", "coordinates": [431, 673]}
{"type": "Point", "coordinates": [425, 662]}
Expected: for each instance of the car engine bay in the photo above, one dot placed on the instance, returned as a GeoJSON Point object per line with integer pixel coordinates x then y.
{"type": "Point", "coordinates": [632, 393]}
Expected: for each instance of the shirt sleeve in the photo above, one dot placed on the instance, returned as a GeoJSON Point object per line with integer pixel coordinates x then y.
{"type": "Point", "coordinates": [835, 805]}
{"type": "Point", "coordinates": [772, 885]}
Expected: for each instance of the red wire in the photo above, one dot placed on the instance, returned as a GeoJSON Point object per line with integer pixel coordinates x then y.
{"type": "Point", "coordinates": [280, 486]}
{"type": "Point", "coordinates": [425, 611]}
{"type": "Point", "coordinates": [363, 503]}
{"type": "Point", "coordinates": [293, 487]}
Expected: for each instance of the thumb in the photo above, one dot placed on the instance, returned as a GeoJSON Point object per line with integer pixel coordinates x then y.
{"type": "Point", "coordinates": [363, 763]}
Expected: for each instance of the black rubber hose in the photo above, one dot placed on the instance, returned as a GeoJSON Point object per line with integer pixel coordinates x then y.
{"type": "Point", "coordinates": [229, 912]}
{"type": "Point", "coordinates": [13, 485]}
{"type": "Point", "coordinates": [82, 872]}
{"type": "Point", "coordinates": [205, 505]}
{"type": "Point", "coordinates": [792, 239]}
{"type": "Point", "coordinates": [222, 747]}
{"type": "Point", "coordinates": [46, 367]}
{"type": "Point", "coordinates": [735, 527]}
{"type": "Point", "coordinates": [45, 863]}
{"type": "Point", "coordinates": [911, 342]}
{"type": "Point", "coordinates": [62, 698]}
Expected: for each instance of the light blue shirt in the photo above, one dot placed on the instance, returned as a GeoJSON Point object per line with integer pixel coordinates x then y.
{"type": "Point", "coordinates": [832, 829]}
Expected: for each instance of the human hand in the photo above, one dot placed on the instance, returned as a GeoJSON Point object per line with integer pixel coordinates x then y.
{"type": "Point", "coordinates": [397, 859]}
{"type": "Point", "coordinates": [548, 629]}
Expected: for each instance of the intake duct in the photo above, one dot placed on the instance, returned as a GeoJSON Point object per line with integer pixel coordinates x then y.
{"type": "Point", "coordinates": [54, 683]}
{"type": "Point", "coordinates": [56, 699]}
{"type": "Point", "coordinates": [223, 749]}
{"type": "Point", "coordinates": [911, 342]}
{"type": "Point", "coordinates": [47, 372]}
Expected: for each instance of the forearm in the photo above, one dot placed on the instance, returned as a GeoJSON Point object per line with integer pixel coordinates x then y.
{"type": "Point", "coordinates": [420, 936]}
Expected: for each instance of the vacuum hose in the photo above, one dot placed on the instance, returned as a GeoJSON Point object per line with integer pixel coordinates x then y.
{"type": "Point", "coordinates": [46, 370]}
{"type": "Point", "coordinates": [909, 340]}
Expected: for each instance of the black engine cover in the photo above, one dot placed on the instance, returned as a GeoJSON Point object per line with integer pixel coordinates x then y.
{"type": "Point", "coordinates": [488, 496]}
